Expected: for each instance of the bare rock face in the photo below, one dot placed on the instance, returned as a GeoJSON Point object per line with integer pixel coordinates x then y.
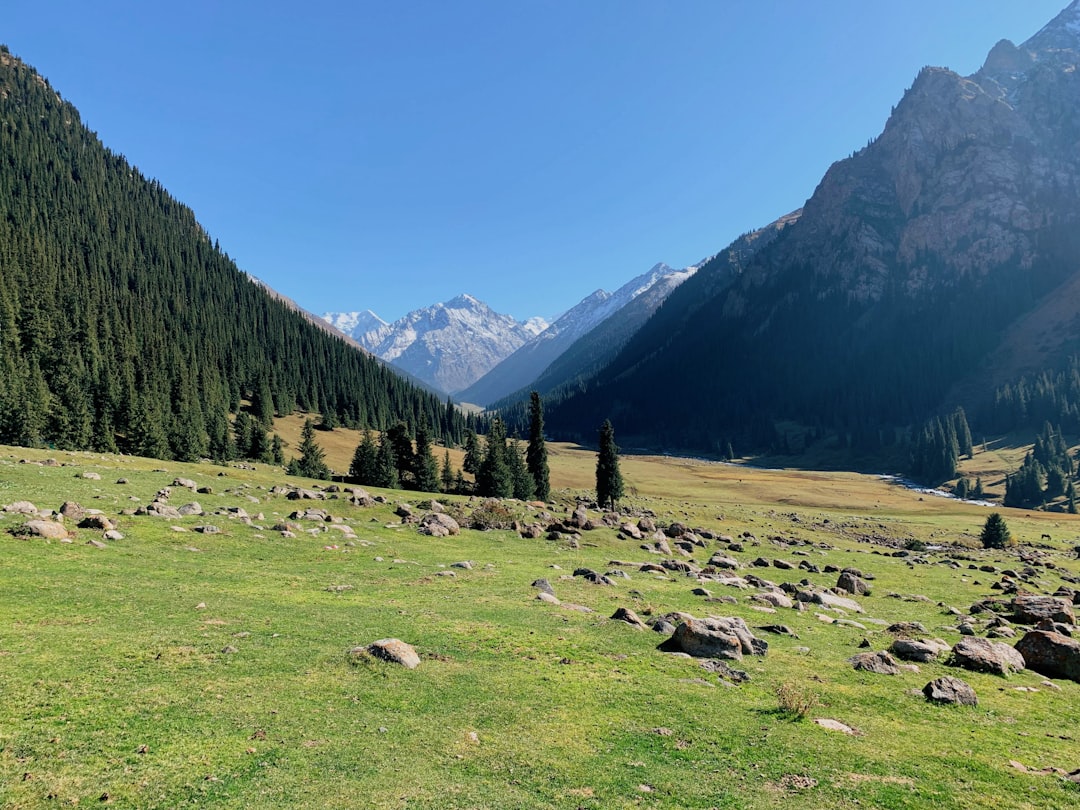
{"type": "Point", "coordinates": [392, 650]}
{"type": "Point", "coordinates": [950, 690]}
{"type": "Point", "coordinates": [715, 638]}
{"type": "Point", "coordinates": [1051, 654]}
{"type": "Point", "coordinates": [983, 655]}
{"type": "Point", "coordinates": [1034, 609]}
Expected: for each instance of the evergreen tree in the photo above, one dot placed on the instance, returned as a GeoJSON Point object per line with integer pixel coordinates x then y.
{"type": "Point", "coordinates": [995, 533]}
{"type": "Point", "coordinates": [425, 468]}
{"type": "Point", "coordinates": [494, 478]}
{"type": "Point", "coordinates": [447, 474]}
{"type": "Point", "coordinates": [963, 433]}
{"type": "Point", "coordinates": [473, 456]}
{"type": "Point", "coordinates": [386, 465]}
{"type": "Point", "coordinates": [963, 488]}
{"type": "Point", "coordinates": [522, 481]}
{"type": "Point", "coordinates": [364, 466]}
{"type": "Point", "coordinates": [277, 450]}
{"type": "Point", "coordinates": [977, 493]}
{"type": "Point", "coordinates": [536, 453]}
{"type": "Point", "coordinates": [609, 482]}
{"type": "Point", "coordinates": [312, 461]}
{"type": "Point", "coordinates": [1070, 495]}
{"type": "Point", "coordinates": [401, 442]}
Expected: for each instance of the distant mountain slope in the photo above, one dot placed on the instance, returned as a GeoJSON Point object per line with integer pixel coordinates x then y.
{"type": "Point", "coordinates": [447, 345]}
{"type": "Point", "coordinates": [528, 362]}
{"type": "Point", "coordinates": [354, 324]}
{"type": "Point", "coordinates": [123, 326]}
{"type": "Point", "coordinates": [589, 354]}
{"type": "Point", "coordinates": [904, 273]}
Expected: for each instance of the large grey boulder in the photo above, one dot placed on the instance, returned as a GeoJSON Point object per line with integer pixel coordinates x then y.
{"type": "Point", "coordinates": [923, 651]}
{"type": "Point", "coordinates": [950, 690]}
{"type": "Point", "coordinates": [21, 508]}
{"type": "Point", "coordinates": [852, 584]}
{"type": "Point", "coordinates": [1034, 609]}
{"type": "Point", "coordinates": [715, 638]}
{"type": "Point", "coordinates": [48, 529]}
{"type": "Point", "coordinates": [1051, 654]}
{"type": "Point", "coordinates": [439, 524]}
{"type": "Point", "coordinates": [878, 662]}
{"type": "Point", "coordinates": [983, 655]}
{"type": "Point", "coordinates": [393, 650]}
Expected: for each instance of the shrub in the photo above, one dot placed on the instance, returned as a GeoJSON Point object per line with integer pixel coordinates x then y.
{"type": "Point", "coordinates": [795, 700]}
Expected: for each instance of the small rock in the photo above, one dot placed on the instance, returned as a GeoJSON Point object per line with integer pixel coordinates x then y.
{"type": "Point", "coordinates": [950, 690]}
{"type": "Point", "coordinates": [392, 650]}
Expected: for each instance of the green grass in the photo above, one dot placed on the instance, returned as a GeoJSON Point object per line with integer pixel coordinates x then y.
{"type": "Point", "coordinates": [116, 691]}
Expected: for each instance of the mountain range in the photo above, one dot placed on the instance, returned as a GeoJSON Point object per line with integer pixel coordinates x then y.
{"type": "Point", "coordinates": [925, 271]}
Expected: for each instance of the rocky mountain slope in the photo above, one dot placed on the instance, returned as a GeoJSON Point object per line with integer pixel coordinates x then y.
{"type": "Point", "coordinates": [523, 366]}
{"type": "Point", "coordinates": [902, 276]}
{"type": "Point", "coordinates": [447, 345]}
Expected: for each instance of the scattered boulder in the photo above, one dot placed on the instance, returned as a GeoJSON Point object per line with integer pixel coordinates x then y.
{"type": "Point", "coordinates": [1033, 609]}
{"type": "Point", "coordinates": [47, 529]}
{"type": "Point", "coordinates": [878, 662]}
{"type": "Point", "coordinates": [162, 510]}
{"type": "Point", "coordinates": [628, 616]}
{"type": "Point", "coordinates": [91, 476]}
{"type": "Point", "coordinates": [550, 598]}
{"type": "Point", "coordinates": [543, 586]}
{"type": "Point", "coordinates": [774, 598]}
{"type": "Point", "coordinates": [208, 529]}
{"type": "Point", "coordinates": [725, 671]}
{"type": "Point", "coordinates": [592, 576]}
{"type": "Point", "coordinates": [852, 584]}
{"type": "Point", "coordinates": [186, 483]}
{"type": "Point", "coordinates": [923, 651]}
{"type": "Point", "coordinates": [72, 510]}
{"type": "Point", "coordinates": [21, 508]}
{"type": "Point", "coordinates": [715, 638]}
{"type": "Point", "coordinates": [99, 522]}
{"type": "Point", "coordinates": [392, 650]}
{"type": "Point", "coordinates": [950, 690]}
{"type": "Point", "coordinates": [906, 629]}
{"type": "Point", "coordinates": [439, 524]}
{"type": "Point", "coordinates": [1051, 654]}
{"type": "Point", "coordinates": [983, 655]}
{"type": "Point", "coordinates": [190, 509]}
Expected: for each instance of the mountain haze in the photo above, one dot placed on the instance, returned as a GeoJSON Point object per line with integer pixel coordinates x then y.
{"type": "Point", "coordinates": [903, 275]}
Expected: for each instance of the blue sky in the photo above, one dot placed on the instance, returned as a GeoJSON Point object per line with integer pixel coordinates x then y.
{"type": "Point", "coordinates": [385, 155]}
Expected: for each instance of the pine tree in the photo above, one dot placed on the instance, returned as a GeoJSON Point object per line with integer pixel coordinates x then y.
{"type": "Point", "coordinates": [364, 466]}
{"type": "Point", "coordinates": [995, 533]}
{"type": "Point", "coordinates": [536, 453]}
{"type": "Point", "coordinates": [522, 481]}
{"type": "Point", "coordinates": [425, 468]}
{"type": "Point", "coordinates": [277, 450]}
{"type": "Point", "coordinates": [494, 478]}
{"type": "Point", "coordinates": [386, 465]}
{"type": "Point", "coordinates": [963, 433]}
{"type": "Point", "coordinates": [401, 442]}
{"type": "Point", "coordinates": [977, 493]}
{"type": "Point", "coordinates": [312, 461]}
{"type": "Point", "coordinates": [473, 457]}
{"type": "Point", "coordinates": [447, 474]}
{"type": "Point", "coordinates": [1070, 494]}
{"type": "Point", "coordinates": [609, 482]}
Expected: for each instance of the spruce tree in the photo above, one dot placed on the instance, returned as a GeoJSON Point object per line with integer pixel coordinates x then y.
{"type": "Point", "coordinates": [963, 433]}
{"type": "Point", "coordinates": [473, 456]}
{"type": "Point", "coordinates": [386, 465]}
{"type": "Point", "coordinates": [312, 461]}
{"type": "Point", "coordinates": [447, 474]}
{"type": "Point", "coordinates": [494, 478]}
{"type": "Point", "coordinates": [401, 442]}
{"type": "Point", "coordinates": [609, 482]}
{"type": "Point", "coordinates": [522, 481]}
{"type": "Point", "coordinates": [425, 468]}
{"type": "Point", "coordinates": [364, 465]}
{"type": "Point", "coordinates": [995, 533]}
{"type": "Point", "coordinates": [536, 453]}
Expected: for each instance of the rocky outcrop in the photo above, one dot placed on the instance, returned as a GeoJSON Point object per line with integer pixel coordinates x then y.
{"type": "Point", "coordinates": [983, 655]}
{"type": "Point", "coordinates": [1051, 654]}
{"type": "Point", "coordinates": [715, 638]}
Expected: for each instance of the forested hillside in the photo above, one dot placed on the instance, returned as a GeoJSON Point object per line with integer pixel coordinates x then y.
{"type": "Point", "coordinates": [933, 256]}
{"type": "Point", "coordinates": [123, 326]}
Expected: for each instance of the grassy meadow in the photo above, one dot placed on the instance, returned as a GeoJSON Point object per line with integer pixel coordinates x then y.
{"type": "Point", "coordinates": [179, 669]}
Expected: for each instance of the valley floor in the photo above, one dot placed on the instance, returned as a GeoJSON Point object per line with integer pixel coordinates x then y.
{"type": "Point", "coordinates": [183, 667]}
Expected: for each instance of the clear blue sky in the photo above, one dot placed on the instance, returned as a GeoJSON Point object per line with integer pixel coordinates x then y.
{"type": "Point", "coordinates": [387, 154]}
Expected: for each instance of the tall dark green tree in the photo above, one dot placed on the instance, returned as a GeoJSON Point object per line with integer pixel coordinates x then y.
{"type": "Point", "coordinates": [609, 482]}
{"type": "Point", "coordinates": [446, 475]}
{"type": "Point", "coordinates": [386, 465]}
{"type": "Point", "coordinates": [536, 452]}
{"type": "Point", "coordinates": [425, 468]}
{"type": "Point", "coordinates": [312, 461]}
{"type": "Point", "coordinates": [963, 433]}
{"type": "Point", "coordinates": [401, 442]}
{"type": "Point", "coordinates": [523, 484]}
{"type": "Point", "coordinates": [474, 456]}
{"type": "Point", "coordinates": [494, 478]}
{"type": "Point", "coordinates": [364, 466]}
{"type": "Point", "coordinates": [995, 534]}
